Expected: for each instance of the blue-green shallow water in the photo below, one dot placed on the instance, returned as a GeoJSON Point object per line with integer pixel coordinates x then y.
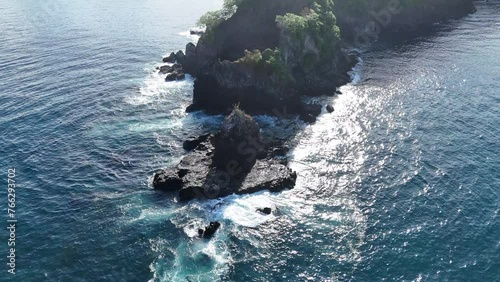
{"type": "Point", "coordinates": [400, 183]}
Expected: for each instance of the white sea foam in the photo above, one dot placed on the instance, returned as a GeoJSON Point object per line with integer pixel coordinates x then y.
{"type": "Point", "coordinates": [155, 89]}
{"type": "Point", "coordinates": [193, 37]}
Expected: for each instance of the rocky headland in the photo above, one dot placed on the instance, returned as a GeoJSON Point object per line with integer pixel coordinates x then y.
{"type": "Point", "coordinates": [264, 56]}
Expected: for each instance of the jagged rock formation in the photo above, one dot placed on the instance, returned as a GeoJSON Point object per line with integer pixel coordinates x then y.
{"type": "Point", "coordinates": [233, 161]}
{"type": "Point", "coordinates": [238, 130]}
{"type": "Point", "coordinates": [263, 55]}
{"type": "Point", "coordinates": [210, 230]}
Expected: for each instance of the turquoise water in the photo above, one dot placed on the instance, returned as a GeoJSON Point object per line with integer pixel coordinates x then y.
{"type": "Point", "coordinates": [400, 183]}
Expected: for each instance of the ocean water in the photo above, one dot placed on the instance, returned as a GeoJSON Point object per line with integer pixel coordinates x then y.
{"type": "Point", "coordinates": [400, 183]}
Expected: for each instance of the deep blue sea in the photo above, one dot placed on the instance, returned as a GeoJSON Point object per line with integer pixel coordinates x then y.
{"type": "Point", "coordinates": [400, 183]}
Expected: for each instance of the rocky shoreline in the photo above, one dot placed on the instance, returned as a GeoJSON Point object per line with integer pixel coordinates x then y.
{"type": "Point", "coordinates": [293, 49]}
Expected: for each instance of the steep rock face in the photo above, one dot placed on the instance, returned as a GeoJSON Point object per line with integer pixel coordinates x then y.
{"type": "Point", "coordinates": [234, 142]}
{"type": "Point", "coordinates": [253, 26]}
{"type": "Point", "coordinates": [222, 85]}
{"type": "Point", "coordinates": [363, 19]}
{"type": "Point", "coordinates": [252, 60]}
{"type": "Point", "coordinates": [315, 73]}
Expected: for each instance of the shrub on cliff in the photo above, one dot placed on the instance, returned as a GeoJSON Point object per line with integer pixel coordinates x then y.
{"type": "Point", "coordinates": [213, 18]}
{"type": "Point", "coordinates": [269, 62]}
{"type": "Point", "coordinates": [239, 125]}
{"type": "Point", "coordinates": [251, 58]}
{"type": "Point", "coordinates": [318, 22]}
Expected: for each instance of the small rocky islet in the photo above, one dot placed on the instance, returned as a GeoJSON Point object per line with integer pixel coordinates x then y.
{"type": "Point", "coordinates": [233, 161]}
{"type": "Point", "coordinates": [294, 48]}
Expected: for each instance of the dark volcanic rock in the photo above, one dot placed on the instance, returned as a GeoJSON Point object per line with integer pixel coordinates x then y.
{"type": "Point", "coordinates": [201, 180]}
{"type": "Point", "coordinates": [176, 75]}
{"type": "Point", "coordinates": [210, 230]}
{"type": "Point", "coordinates": [268, 174]}
{"type": "Point", "coordinates": [313, 109]}
{"type": "Point", "coordinates": [189, 60]}
{"type": "Point", "coordinates": [225, 84]}
{"type": "Point", "coordinates": [190, 49]}
{"type": "Point", "coordinates": [309, 118]}
{"type": "Point", "coordinates": [238, 142]}
{"type": "Point", "coordinates": [174, 72]}
{"type": "Point", "coordinates": [225, 78]}
{"type": "Point", "coordinates": [193, 142]}
{"type": "Point", "coordinates": [196, 167]}
{"type": "Point", "coordinates": [226, 163]}
{"type": "Point", "coordinates": [267, 211]}
{"type": "Point", "coordinates": [329, 108]}
{"type": "Point", "coordinates": [170, 58]}
{"type": "Point", "coordinates": [172, 68]}
{"type": "Point", "coordinates": [167, 180]}
{"type": "Point", "coordinates": [180, 57]}
{"type": "Point", "coordinates": [279, 151]}
{"type": "Point", "coordinates": [196, 31]}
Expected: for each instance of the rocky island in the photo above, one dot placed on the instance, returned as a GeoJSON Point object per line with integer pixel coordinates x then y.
{"type": "Point", "coordinates": [262, 57]}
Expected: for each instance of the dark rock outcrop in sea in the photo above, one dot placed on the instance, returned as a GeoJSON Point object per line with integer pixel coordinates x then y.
{"type": "Point", "coordinates": [293, 48]}
{"type": "Point", "coordinates": [210, 230]}
{"type": "Point", "coordinates": [329, 108]}
{"type": "Point", "coordinates": [266, 211]}
{"type": "Point", "coordinates": [196, 31]}
{"type": "Point", "coordinates": [170, 59]}
{"type": "Point", "coordinates": [233, 161]}
{"type": "Point", "coordinates": [173, 72]}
